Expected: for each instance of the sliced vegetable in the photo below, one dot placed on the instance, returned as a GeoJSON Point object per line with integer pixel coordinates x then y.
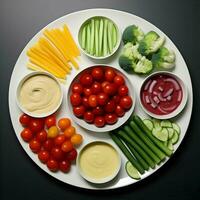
{"type": "Point", "coordinates": [88, 35]}
{"type": "Point", "coordinates": [166, 124]}
{"type": "Point", "coordinates": [175, 137]}
{"type": "Point", "coordinates": [92, 37]}
{"type": "Point", "coordinates": [148, 123]}
{"type": "Point", "coordinates": [176, 128]}
{"type": "Point", "coordinates": [105, 39]}
{"type": "Point", "coordinates": [101, 36]}
{"type": "Point", "coordinates": [171, 132]}
{"type": "Point", "coordinates": [96, 37]}
{"type": "Point", "coordinates": [161, 134]}
{"type": "Point", "coordinates": [132, 171]}
{"type": "Point", "coordinates": [83, 38]}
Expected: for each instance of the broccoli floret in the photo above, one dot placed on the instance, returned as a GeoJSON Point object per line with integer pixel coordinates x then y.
{"type": "Point", "coordinates": [131, 51]}
{"type": "Point", "coordinates": [143, 66]}
{"type": "Point", "coordinates": [164, 58]}
{"type": "Point", "coordinates": [150, 43]}
{"type": "Point", "coordinates": [132, 34]}
{"type": "Point", "coordinates": [126, 64]}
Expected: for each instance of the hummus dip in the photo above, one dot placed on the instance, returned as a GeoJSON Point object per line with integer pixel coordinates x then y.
{"type": "Point", "coordinates": [40, 94]}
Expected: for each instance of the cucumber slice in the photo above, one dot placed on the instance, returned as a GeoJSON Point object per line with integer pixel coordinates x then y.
{"type": "Point", "coordinates": [156, 124]}
{"type": "Point", "coordinates": [175, 137]}
{"type": "Point", "coordinates": [161, 134]}
{"type": "Point", "coordinates": [132, 171]}
{"type": "Point", "coordinates": [166, 124]}
{"type": "Point", "coordinates": [170, 145]}
{"type": "Point", "coordinates": [176, 127]}
{"type": "Point", "coordinates": [148, 123]}
{"type": "Point", "coordinates": [171, 132]}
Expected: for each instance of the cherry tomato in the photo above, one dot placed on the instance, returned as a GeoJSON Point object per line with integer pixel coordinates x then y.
{"type": "Point", "coordinates": [86, 79]}
{"type": "Point", "coordinates": [97, 73]}
{"type": "Point", "coordinates": [109, 74]}
{"type": "Point", "coordinates": [50, 121]}
{"type": "Point", "coordinates": [79, 111]}
{"type": "Point", "coordinates": [76, 139]}
{"type": "Point", "coordinates": [24, 120]}
{"type": "Point", "coordinates": [85, 102]}
{"type": "Point", "coordinates": [43, 156]}
{"type": "Point", "coordinates": [48, 144]}
{"type": "Point", "coordinates": [92, 100]}
{"type": "Point", "coordinates": [111, 118]}
{"type": "Point", "coordinates": [88, 116]}
{"type": "Point", "coordinates": [126, 102]}
{"type": "Point", "coordinates": [119, 80]}
{"type": "Point", "coordinates": [34, 145]}
{"type": "Point", "coordinates": [75, 99]}
{"type": "Point", "coordinates": [110, 106]}
{"type": "Point", "coordinates": [53, 132]}
{"type": "Point", "coordinates": [116, 98]}
{"type": "Point", "coordinates": [98, 111]}
{"type": "Point", "coordinates": [67, 146]}
{"type": "Point", "coordinates": [71, 155]}
{"type": "Point", "coordinates": [123, 90]}
{"type": "Point", "coordinates": [96, 88]}
{"type": "Point", "coordinates": [36, 125]}
{"type": "Point", "coordinates": [110, 89]}
{"type": "Point", "coordinates": [87, 91]}
{"type": "Point", "coordinates": [119, 111]}
{"type": "Point", "coordinates": [102, 99]}
{"type": "Point", "coordinates": [41, 136]}
{"type": "Point", "coordinates": [99, 121]}
{"type": "Point", "coordinates": [69, 132]}
{"type": "Point", "coordinates": [59, 139]}
{"type": "Point", "coordinates": [64, 166]}
{"type": "Point", "coordinates": [77, 88]}
{"type": "Point", "coordinates": [57, 153]}
{"type": "Point", "coordinates": [64, 123]}
{"type": "Point", "coordinates": [104, 84]}
{"type": "Point", "coordinates": [52, 165]}
{"type": "Point", "coordinates": [27, 135]}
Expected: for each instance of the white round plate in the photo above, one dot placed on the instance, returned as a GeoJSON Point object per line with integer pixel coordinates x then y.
{"type": "Point", "coordinates": [74, 20]}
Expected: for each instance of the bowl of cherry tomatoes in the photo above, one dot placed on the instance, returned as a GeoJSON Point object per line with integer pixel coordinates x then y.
{"type": "Point", "coordinates": [101, 98]}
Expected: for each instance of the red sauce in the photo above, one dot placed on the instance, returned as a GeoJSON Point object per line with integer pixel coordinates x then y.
{"type": "Point", "coordinates": [161, 94]}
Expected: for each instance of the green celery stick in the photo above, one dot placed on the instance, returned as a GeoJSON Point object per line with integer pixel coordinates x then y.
{"type": "Point", "coordinates": [105, 38]}
{"type": "Point", "coordinates": [114, 35]}
{"type": "Point", "coordinates": [96, 38]}
{"type": "Point", "coordinates": [83, 39]}
{"type": "Point", "coordinates": [101, 37]}
{"type": "Point", "coordinates": [88, 39]}
{"type": "Point", "coordinates": [92, 38]}
{"type": "Point", "coordinates": [110, 45]}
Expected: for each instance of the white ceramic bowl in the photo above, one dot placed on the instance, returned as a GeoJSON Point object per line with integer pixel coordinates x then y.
{"type": "Point", "coordinates": [179, 108]}
{"type": "Point", "coordinates": [30, 113]}
{"type": "Point", "coordinates": [121, 120]}
{"type": "Point", "coordinates": [103, 180]}
{"type": "Point", "coordinates": [114, 50]}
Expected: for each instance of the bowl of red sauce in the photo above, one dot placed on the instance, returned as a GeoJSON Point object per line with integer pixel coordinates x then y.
{"type": "Point", "coordinates": [163, 95]}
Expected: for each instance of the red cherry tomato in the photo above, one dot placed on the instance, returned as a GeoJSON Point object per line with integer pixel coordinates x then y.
{"type": "Point", "coordinates": [50, 121]}
{"type": "Point", "coordinates": [119, 111]}
{"type": "Point", "coordinates": [48, 144]}
{"type": "Point", "coordinates": [109, 74]}
{"type": "Point", "coordinates": [67, 146]}
{"type": "Point", "coordinates": [43, 156]}
{"type": "Point", "coordinates": [24, 120]}
{"type": "Point", "coordinates": [79, 111]}
{"type": "Point", "coordinates": [97, 73]}
{"type": "Point", "coordinates": [86, 79]}
{"type": "Point", "coordinates": [36, 125]}
{"type": "Point", "coordinates": [96, 88]}
{"type": "Point", "coordinates": [110, 106]}
{"type": "Point", "coordinates": [64, 166]}
{"type": "Point", "coordinates": [85, 102]}
{"type": "Point", "coordinates": [52, 165]}
{"type": "Point", "coordinates": [87, 91]}
{"type": "Point", "coordinates": [41, 136]}
{"type": "Point", "coordinates": [119, 80]}
{"type": "Point", "coordinates": [92, 101]}
{"type": "Point", "coordinates": [116, 98]}
{"type": "Point", "coordinates": [99, 121]}
{"type": "Point", "coordinates": [98, 111]}
{"type": "Point", "coordinates": [104, 84]}
{"type": "Point", "coordinates": [110, 89]}
{"type": "Point", "coordinates": [59, 139]}
{"type": "Point", "coordinates": [126, 102]}
{"type": "Point", "coordinates": [71, 155]}
{"type": "Point", "coordinates": [77, 88]}
{"type": "Point", "coordinates": [88, 116]}
{"type": "Point", "coordinates": [123, 91]}
{"type": "Point", "coordinates": [57, 153]}
{"type": "Point", "coordinates": [27, 135]}
{"type": "Point", "coordinates": [102, 99]}
{"type": "Point", "coordinates": [75, 99]}
{"type": "Point", "coordinates": [34, 145]}
{"type": "Point", "coordinates": [111, 118]}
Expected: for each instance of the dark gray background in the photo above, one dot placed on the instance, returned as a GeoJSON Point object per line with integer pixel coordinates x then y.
{"type": "Point", "coordinates": [20, 178]}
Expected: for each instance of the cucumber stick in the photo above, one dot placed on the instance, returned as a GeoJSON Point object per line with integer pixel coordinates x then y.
{"type": "Point", "coordinates": [88, 39]}
{"type": "Point", "coordinates": [110, 44]}
{"type": "Point", "coordinates": [83, 38]}
{"type": "Point", "coordinates": [105, 39]}
{"type": "Point", "coordinates": [101, 27]}
{"type": "Point", "coordinates": [132, 171]}
{"type": "Point", "coordinates": [96, 37]}
{"type": "Point", "coordinates": [92, 37]}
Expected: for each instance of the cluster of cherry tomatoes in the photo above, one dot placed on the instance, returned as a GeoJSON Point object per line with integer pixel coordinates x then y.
{"type": "Point", "coordinates": [54, 144]}
{"type": "Point", "coordinates": [100, 96]}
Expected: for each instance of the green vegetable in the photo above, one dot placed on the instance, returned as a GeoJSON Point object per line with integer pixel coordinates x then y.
{"type": "Point", "coordinates": [101, 37]}
{"type": "Point", "coordinates": [170, 145]}
{"type": "Point", "coordinates": [166, 124]}
{"type": "Point", "coordinates": [88, 34]}
{"type": "Point", "coordinates": [110, 44]}
{"type": "Point", "coordinates": [132, 34]}
{"type": "Point", "coordinates": [132, 171]}
{"type": "Point", "coordinates": [105, 39]}
{"type": "Point", "coordinates": [156, 123]}
{"type": "Point", "coordinates": [150, 43]}
{"type": "Point", "coordinates": [114, 35]}
{"type": "Point", "coordinates": [83, 38]}
{"type": "Point", "coordinates": [148, 123]}
{"type": "Point", "coordinates": [143, 66]}
{"type": "Point", "coordinates": [175, 137]}
{"type": "Point", "coordinates": [176, 128]}
{"type": "Point", "coordinates": [161, 134]}
{"type": "Point", "coordinates": [164, 58]}
{"type": "Point", "coordinates": [127, 153]}
{"type": "Point", "coordinates": [92, 37]}
{"type": "Point", "coordinates": [170, 132]}
{"type": "Point", "coordinates": [96, 37]}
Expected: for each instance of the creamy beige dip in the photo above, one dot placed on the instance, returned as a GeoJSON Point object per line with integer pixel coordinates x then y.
{"type": "Point", "coordinates": [99, 160]}
{"type": "Point", "coordinates": [40, 94]}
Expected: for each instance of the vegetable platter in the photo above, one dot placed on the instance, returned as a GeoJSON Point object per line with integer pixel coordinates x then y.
{"type": "Point", "coordinates": [74, 43]}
